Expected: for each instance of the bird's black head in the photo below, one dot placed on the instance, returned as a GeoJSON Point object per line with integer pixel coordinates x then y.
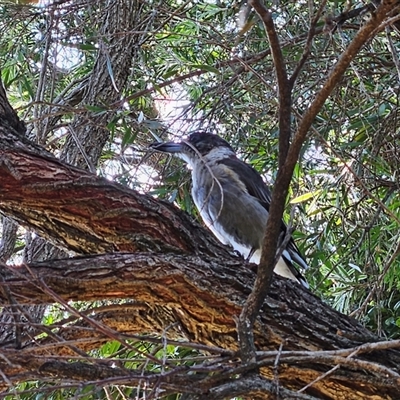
{"type": "Point", "coordinates": [204, 142]}
{"type": "Point", "coordinates": [197, 144]}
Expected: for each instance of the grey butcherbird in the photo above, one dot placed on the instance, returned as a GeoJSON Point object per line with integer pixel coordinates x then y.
{"type": "Point", "coordinates": [232, 199]}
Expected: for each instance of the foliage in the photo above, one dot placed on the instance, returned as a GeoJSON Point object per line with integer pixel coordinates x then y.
{"type": "Point", "coordinates": [193, 63]}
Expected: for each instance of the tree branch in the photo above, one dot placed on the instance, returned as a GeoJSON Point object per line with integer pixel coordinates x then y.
{"type": "Point", "coordinates": [307, 48]}
{"type": "Point", "coordinates": [285, 171]}
{"type": "Point", "coordinates": [265, 270]}
{"type": "Point", "coordinates": [284, 86]}
{"type": "Point", "coordinates": [199, 296]}
{"type": "Point", "coordinates": [67, 205]}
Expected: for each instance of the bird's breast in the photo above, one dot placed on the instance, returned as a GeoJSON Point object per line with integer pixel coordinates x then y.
{"type": "Point", "coordinates": [229, 211]}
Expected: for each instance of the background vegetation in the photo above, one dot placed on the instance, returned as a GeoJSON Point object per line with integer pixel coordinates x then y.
{"type": "Point", "coordinates": [97, 81]}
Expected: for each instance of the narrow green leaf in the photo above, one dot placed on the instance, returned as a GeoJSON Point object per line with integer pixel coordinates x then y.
{"type": "Point", "coordinates": [208, 68]}
{"type": "Point", "coordinates": [87, 46]}
{"type": "Point", "coordinates": [304, 197]}
{"type": "Point", "coordinates": [95, 108]}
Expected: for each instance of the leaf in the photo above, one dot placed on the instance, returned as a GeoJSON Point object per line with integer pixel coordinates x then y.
{"type": "Point", "coordinates": [87, 46]}
{"type": "Point", "coordinates": [204, 67]}
{"type": "Point", "coordinates": [129, 136]}
{"type": "Point", "coordinates": [140, 118]}
{"type": "Point", "coordinates": [356, 267]}
{"type": "Point", "coordinates": [304, 197]}
{"type": "Point", "coordinates": [96, 109]}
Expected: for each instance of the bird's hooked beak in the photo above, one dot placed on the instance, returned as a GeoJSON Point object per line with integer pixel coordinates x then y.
{"type": "Point", "coordinates": [168, 147]}
{"type": "Point", "coordinates": [181, 150]}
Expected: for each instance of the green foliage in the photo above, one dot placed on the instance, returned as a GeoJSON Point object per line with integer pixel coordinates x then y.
{"type": "Point", "coordinates": [345, 187]}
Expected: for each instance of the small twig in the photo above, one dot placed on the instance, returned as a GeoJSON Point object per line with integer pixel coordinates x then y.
{"type": "Point", "coordinates": [378, 282]}
{"type": "Point", "coordinates": [89, 163]}
{"type": "Point", "coordinates": [327, 373]}
{"type": "Point", "coordinates": [307, 48]}
{"type": "Point", "coordinates": [214, 179]}
{"type": "Point", "coordinates": [276, 368]}
{"type": "Point", "coordinates": [393, 51]}
{"type": "Point", "coordinates": [286, 239]}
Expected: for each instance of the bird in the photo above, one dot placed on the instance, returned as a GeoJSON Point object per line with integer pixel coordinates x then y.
{"type": "Point", "coordinates": [232, 199]}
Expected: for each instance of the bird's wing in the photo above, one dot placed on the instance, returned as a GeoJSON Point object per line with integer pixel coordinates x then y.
{"type": "Point", "coordinates": [251, 178]}
{"type": "Point", "coordinates": [257, 188]}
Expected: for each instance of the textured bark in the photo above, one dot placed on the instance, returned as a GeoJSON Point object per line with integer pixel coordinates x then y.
{"type": "Point", "coordinates": [180, 281]}
{"type": "Point", "coordinates": [202, 296]}
{"type": "Point", "coordinates": [89, 131]}
{"type": "Point", "coordinates": [88, 214]}
{"type": "Point", "coordinates": [8, 238]}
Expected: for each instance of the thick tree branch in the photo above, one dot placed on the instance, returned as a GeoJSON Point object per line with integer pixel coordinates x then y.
{"type": "Point", "coordinates": [284, 175]}
{"type": "Point", "coordinates": [265, 270]}
{"type": "Point", "coordinates": [284, 86]}
{"type": "Point", "coordinates": [85, 213]}
{"type": "Point", "coordinates": [200, 296]}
